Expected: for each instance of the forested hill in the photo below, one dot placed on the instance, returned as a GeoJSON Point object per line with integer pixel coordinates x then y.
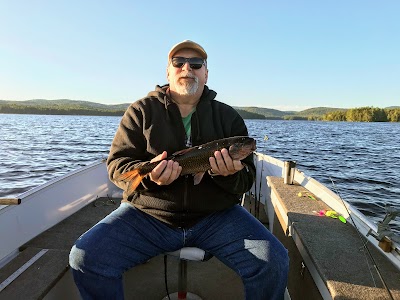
{"type": "Point", "coordinates": [61, 107]}
{"type": "Point", "coordinates": [78, 107]}
{"type": "Point", "coordinates": [360, 114]}
{"type": "Point", "coordinates": [273, 114]}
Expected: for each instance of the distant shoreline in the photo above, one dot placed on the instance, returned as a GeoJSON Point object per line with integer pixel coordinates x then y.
{"type": "Point", "coordinates": [86, 108]}
{"type": "Point", "coordinates": [64, 113]}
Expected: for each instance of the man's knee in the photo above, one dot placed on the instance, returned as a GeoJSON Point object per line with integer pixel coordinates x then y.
{"type": "Point", "coordinates": [272, 259]}
{"type": "Point", "coordinates": [76, 258]}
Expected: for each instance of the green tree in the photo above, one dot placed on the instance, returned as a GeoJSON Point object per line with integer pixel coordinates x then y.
{"type": "Point", "coordinates": [393, 115]}
{"type": "Point", "coordinates": [366, 114]}
{"type": "Point", "coordinates": [338, 115]}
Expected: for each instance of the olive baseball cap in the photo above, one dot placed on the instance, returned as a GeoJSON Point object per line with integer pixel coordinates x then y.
{"type": "Point", "coordinates": [187, 44]}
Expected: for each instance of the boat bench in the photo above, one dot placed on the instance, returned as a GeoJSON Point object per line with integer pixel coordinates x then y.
{"type": "Point", "coordinates": [327, 258]}
{"type": "Point", "coordinates": [43, 273]}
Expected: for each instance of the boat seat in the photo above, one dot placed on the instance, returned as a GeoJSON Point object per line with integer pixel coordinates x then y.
{"type": "Point", "coordinates": [186, 254]}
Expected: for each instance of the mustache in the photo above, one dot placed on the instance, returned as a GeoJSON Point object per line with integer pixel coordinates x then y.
{"type": "Point", "coordinates": [189, 75]}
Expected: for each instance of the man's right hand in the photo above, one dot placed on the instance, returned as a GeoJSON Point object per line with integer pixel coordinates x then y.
{"type": "Point", "coordinates": [166, 171]}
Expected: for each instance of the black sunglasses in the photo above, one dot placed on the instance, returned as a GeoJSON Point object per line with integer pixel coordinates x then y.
{"type": "Point", "coordinates": [194, 62]}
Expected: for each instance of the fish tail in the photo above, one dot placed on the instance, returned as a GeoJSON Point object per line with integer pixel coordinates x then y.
{"type": "Point", "coordinates": [133, 177]}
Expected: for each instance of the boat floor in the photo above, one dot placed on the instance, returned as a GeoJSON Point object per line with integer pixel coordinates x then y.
{"type": "Point", "coordinates": [50, 278]}
{"type": "Point", "coordinates": [209, 280]}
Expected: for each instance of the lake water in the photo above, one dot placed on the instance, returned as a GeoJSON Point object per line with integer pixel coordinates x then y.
{"type": "Point", "coordinates": [363, 159]}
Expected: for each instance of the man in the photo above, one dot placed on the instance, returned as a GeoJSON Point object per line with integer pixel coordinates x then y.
{"type": "Point", "coordinates": [167, 211]}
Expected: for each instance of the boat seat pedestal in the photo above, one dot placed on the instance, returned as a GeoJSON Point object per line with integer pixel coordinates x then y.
{"type": "Point", "coordinates": [186, 254]}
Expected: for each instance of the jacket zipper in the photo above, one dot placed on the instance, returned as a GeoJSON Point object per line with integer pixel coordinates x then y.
{"type": "Point", "coordinates": [185, 196]}
{"type": "Point", "coordinates": [185, 190]}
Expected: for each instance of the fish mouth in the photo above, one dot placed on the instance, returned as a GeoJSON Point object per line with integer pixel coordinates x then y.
{"type": "Point", "coordinates": [243, 148]}
{"type": "Point", "coordinates": [250, 142]}
{"type": "Point", "coordinates": [253, 144]}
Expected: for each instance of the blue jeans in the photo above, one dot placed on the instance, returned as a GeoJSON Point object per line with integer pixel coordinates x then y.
{"type": "Point", "coordinates": [128, 237]}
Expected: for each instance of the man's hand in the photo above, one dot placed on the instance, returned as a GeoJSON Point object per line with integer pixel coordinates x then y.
{"type": "Point", "coordinates": [166, 171]}
{"type": "Point", "coordinates": [223, 164]}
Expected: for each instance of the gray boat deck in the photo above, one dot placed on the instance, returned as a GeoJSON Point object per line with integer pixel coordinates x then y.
{"type": "Point", "coordinates": [45, 273]}
{"type": "Point", "coordinates": [335, 250]}
{"type": "Point", "coordinates": [210, 279]}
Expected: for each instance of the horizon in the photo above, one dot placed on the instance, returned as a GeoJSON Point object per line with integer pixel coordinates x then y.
{"type": "Point", "coordinates": [283, 56]}
{"type": "Point", "coordinates": [283, 109]}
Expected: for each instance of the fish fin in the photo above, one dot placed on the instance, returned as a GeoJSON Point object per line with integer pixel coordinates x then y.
{"type": "Point", "coordinates": [134, 179]}
{"type": "Point", "coordinates": [198, 177]}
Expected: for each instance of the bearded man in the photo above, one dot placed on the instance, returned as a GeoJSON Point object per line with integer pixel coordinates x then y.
{"type": "Point", "coordinates": [167, 211]}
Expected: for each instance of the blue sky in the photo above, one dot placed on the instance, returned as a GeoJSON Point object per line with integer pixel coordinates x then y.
{"type": "Point", "coordinates": [287, 55]}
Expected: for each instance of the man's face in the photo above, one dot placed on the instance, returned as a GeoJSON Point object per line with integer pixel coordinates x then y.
{"type": "Point", "coordinates": [186, 81]}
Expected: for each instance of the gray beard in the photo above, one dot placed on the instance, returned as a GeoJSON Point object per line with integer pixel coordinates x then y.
{"type": "Point", "coordinates": [187, 88]}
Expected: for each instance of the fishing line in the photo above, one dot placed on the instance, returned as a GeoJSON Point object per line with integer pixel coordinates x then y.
{"type": "Point", "coordinates": [364, 241]}
{"type": "Point", "coordinates": [255, 190]}
{"type": "Point", "coordinates": [257, 204]}
{"type": "Point", "coordinates": [365, 246]}
{"type": "Point", "coordinates": [165, 276]}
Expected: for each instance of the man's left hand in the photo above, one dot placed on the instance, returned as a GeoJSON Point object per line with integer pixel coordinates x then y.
{"type": "Point", "coordinates": [222, 163]}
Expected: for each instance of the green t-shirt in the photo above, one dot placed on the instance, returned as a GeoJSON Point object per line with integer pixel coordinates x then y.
{"type": "Point", "coordinates": [188, 127]}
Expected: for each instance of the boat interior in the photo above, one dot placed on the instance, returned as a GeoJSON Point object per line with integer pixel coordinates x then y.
{"type": "Point", "coordinates": [328, 258]}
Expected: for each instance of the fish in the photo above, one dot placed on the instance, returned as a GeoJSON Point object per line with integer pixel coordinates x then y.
{"type": "Point", "coordinates": [194, 160]}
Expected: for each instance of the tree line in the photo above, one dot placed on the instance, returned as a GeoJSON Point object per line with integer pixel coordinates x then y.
{"type": "Point", "coordinates": [361, 114]}
{"type": "Point", "coordinates": [57, 110]}
{"type": "Point", "coordinates": [364, 114]}
{"type": "Point", "coordinates": [81, 110]}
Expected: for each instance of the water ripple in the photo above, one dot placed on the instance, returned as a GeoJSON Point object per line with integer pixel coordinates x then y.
{"type": "Point", "coordinates": [362, 159]}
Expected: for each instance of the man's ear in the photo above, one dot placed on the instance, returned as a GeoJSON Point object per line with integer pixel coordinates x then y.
{"type": "Point", "coordinates": [206, 76]}
{"type": "Point", "coordinates": [167, 71]}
